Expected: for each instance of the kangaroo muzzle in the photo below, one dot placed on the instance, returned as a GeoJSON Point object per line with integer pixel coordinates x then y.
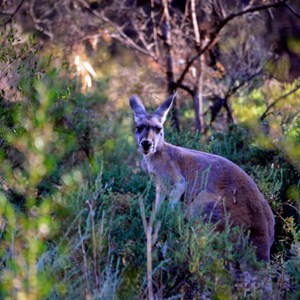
{"type": "Point", "coordinates": [146, 145]}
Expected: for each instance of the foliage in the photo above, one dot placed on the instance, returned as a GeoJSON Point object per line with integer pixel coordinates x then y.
{"type": "Point", "coordinates": [70, 220]}
{"type": "Point", "coordinates": [45, 141]}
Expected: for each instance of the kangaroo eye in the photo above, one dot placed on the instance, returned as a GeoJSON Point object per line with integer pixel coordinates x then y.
{"type": "Point", "coordinates": [139, 129]}
{"type": "Point", "coordinates": [157, 129]}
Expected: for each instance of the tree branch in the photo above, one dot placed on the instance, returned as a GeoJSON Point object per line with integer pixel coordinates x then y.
{"type": "Point", "coordinates": [187, 89]}
{"type": "Point", "coordinates": [169, 59]}
{"type": "Point", "coordinates": [293, 10]}
{"type": "Point", "coordinates": [37, 21]}
{"type": "Point", "coordinates": [267, 111]}
{"type": "Point", "coordinates": [143, 215]}
{"type": "Point", "coordinates": [126, 39]}
{"type": "Point", "coordinates": [13, 13]}
{"type": "Point", "coordinates": [155, 30]}
{"type": "Point", "coordinates": [222, 24]}
{"type": "Point", "coordinates": [195, 23]}
{"type": "Point", "coordinates": [233, 90]}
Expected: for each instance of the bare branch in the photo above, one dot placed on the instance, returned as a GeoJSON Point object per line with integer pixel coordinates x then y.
{"type": "Point", "coordinates": [187, 89]}
{"type": "Point", "coordinates": [195, 23]}
{"type": "Point", "coordinates": [222, 24]}
{"type": "Point", "coordinates": [125, 38]}
{"type": "Point", "coordinates": [151, 240]}
{"type": "Point", "coordinates": [169, 59]}
{"type": "Point", "coordinates": [37, 22]}
{"type": "Point", "coordinates": [267, 111]}
{"type": "Point", "coordinates": [186, 12]}
{"type": "Point", "coordinates": [155, 31]}
{"type": "Point", "coordinates": [155, 235]}
{"type": "Point", "coordinates": [142, 39]}
{"type": "Point", "coordinates": [11, 15]}
{"type": "Point", "coordinates": [143, 214]}
{"type": "Point", "coordinates": [85, 264]}
{"type": "Point", "coordinates": [89, 36]}
{"type": "Point", "coordinates": [293, 10]}
{"type": "Point", "coordinates": [233, 90]}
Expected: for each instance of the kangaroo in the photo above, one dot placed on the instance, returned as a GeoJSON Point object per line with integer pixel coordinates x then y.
{"type": "Point", "coordinates": [210, 184]}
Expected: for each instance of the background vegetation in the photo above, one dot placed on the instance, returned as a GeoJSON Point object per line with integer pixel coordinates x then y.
{"type": "Point", "coordinates": [75, 206]}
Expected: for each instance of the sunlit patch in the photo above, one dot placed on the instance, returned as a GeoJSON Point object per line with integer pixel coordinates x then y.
{"type": "Point", "coordinates": [88, 80]}
{"type": "Point", "coordinates": [85, 72]}
{"type": "Point", "coordinates": [73, 178]}
{"type": "Point", "coordinates": [44, 229]}
{"type": "Point", "coordinates": [39, 143]}
{"type": "Point", "coordinates": [77, 60]}
{"type": "Point", "coordinates": [17, 284]}
{"type": "Point", "coordinates": [89, 68]}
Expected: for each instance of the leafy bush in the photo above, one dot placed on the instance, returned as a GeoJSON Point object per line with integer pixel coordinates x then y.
{"type": "Point", "coordinates": [46, 151]}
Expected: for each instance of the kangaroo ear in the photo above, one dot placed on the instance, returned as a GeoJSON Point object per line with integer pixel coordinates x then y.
{"type": "Point", "coordinates": [162, 111]}
{"type": "Point", "coordinates": [137, 107]}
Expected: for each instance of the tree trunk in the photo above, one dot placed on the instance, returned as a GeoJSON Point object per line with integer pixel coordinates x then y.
{"type": "Point", "coordinates": [198, 87]}
{"type": "Point", "coordinates": [197, 108]}
{"type": "Point", "coordinates": [171, 87]}
{"type": "Point", "coordinates": [230, 119]}
{"type": "Point", "coordinates": [198, 97]}
{"type": "Point", "coordinates": [174, 112]}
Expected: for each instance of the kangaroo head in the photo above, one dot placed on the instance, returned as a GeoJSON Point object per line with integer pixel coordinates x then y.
{"type": "Point", "coordinates": [149, 131]}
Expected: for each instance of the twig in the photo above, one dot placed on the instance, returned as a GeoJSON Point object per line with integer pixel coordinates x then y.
{"type": "Point", "coordinates": [85, 266]}
{"type": "Point", "coordinates": [37, 22]}
{"type": "Point", "coordinates": [195, 23]}
{"type": "Point", "coordinates": [142, 39]}
{"type": "Point", "coordinates": [169, 59]}
{"type": "Point", "coordinates": [125, 38]}
{"type": "Point", "coordinates": [148, 232]}
{"type": "Point", "coordinates": [94, 247]}
{"type": "Point", "coordinates": [155, 31]}
{"type": "Point", "coordinates": [151, 240]}
{"type": "Point", "coordinates": [292, 206]}
{"type": "Point", "coordinates": [187, 89]}
{"type": "Point", "coordinates": [143, 214]}
{"type": "Point", "coordinates": [13, 13]}
{"type": "Point", "coordinates": [232, 91]}
{"type": "Point", "coordinates": [266, 113]}
{"type": "Point", "coordinates": [156, 231]}
{"type": "Point", "coordinates": [293, 10]}
{"type": "Point", "coordinates": [186, 12]}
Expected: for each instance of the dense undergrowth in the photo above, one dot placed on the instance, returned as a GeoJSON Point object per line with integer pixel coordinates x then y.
{"type": "Point", "coordinates": [71, 215]}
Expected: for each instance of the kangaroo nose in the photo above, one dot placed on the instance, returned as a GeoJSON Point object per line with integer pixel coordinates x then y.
{"type": "Point", "coordinates": [146, 144]}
